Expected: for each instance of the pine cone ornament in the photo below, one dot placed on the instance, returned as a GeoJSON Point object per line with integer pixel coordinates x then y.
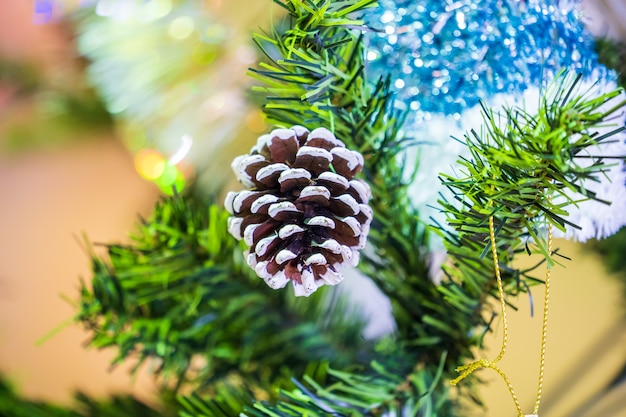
{"type": "Point", "coordinates": [303, 214]}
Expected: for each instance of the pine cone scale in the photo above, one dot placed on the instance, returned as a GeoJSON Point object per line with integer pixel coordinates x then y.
{"type": "Point", "coordinates": [314, 160]}
{"type": "Point", "coordinates": [283, 146]}
{"type": "Point", "coordinates": [335, 183]}
{"type": "Point", "coordinates": [269, 174]}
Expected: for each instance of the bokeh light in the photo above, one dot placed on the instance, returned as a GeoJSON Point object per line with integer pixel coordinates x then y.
{"type": "Point", "coordinates": [43, 11]}
{"type": "Point", "coordinates": [255, 121]}
{"type": "Point", "coordinates": [150, 164]}
{"type": "Point", "coordinates": [185, 146]}
{"type": "Point", "coordinates": [203, 54]}
{"type": "Point", "coordinates": [169, 175]}
{"type": "Point", "coordinates": [181, 27]}
{"type": "Point", "coordinates": [171, 180]}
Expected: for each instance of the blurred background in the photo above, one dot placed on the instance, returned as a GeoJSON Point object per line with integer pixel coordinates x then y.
{"type": "Point", "coordinates": [71, 166]}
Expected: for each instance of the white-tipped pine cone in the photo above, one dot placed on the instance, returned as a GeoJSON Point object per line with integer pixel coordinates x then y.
{"type": "Point", "coordinates": [303, 213]}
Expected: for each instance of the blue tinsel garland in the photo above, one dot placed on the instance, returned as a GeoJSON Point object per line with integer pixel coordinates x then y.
{"type": "Point", "coordinates": [443, 57]}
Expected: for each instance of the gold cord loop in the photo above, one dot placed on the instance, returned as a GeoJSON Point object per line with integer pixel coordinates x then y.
{"type": "Point", "coordinates": [466, 370]}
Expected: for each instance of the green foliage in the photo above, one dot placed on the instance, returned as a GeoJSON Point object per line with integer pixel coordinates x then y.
{"type": "Point", "coordinates": [181, 294]}
{"type": "Point", "coordinates": [522, 171]}
{"type": "Point", "coordinates": [314, 76]}
{"type": "Point", "coordinates": [11, 404]}
{"type": "Point", "coordinates": [228, 401]}
{"type": "Point", "coordinates": [255, 334]}
{"type": "Point", "coordinates": [373, 391]}
{"type": "Point", "coordinates": [379, 391]}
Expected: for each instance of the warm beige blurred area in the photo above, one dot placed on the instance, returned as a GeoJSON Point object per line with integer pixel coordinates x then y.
{"type": "Point", "coordinates": [586, 343]}
{"type": "Point", "coordinates": [49, 199]}
{"type": "Point", "coordinates": [50, 196]}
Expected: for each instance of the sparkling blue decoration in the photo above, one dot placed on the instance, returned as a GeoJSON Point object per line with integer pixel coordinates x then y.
{"type": "Point", "coordinates": [444, 56]}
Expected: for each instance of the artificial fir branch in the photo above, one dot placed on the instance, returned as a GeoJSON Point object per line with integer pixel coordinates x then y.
{"type": "Point", "coordinates": [180, 296]}
{"type": "Point", "coordinates": [327, 392]}
{"type": "Point", "coordinates": [448, 319]}
{"type": "Point", "coordinates": [522, 171]}
{"type": "Point", "coordinates": [516, 162]}
{"type": "Point", "coordinates": [310, 51]}
{"type": "Point", "coordinates": [362, 116]}
{"type": "Point", "coordinates": [314, 76]}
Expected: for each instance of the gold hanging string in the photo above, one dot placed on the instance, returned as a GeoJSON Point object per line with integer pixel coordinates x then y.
{"type": "Point", "coordinates": [544, 326]}
{"type": "Point", "coordinates": [466, 370]}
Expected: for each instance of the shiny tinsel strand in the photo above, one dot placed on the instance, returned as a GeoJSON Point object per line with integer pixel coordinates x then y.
{"type": "Point", "coordinates": [443, 57]}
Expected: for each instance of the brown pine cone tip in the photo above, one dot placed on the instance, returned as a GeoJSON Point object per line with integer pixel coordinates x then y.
{"type": "Point", "coordinates": [303, 213]}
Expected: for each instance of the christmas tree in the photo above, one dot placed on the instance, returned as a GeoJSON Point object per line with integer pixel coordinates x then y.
{"type": "Point", "coordinates": [239, 295]}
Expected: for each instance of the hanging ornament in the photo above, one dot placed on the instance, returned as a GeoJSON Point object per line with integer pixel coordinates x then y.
{"type": "Point", "coordinates": [303, 214]}
{"type": "Point", "coordinates": [444, 57]}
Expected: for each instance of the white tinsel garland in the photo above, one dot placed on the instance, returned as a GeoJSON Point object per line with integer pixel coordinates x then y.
{"type": "Point", "coordinates": [440, 151]}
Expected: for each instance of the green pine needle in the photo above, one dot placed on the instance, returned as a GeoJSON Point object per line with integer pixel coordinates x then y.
{"type": "Point", "coordinates": [521, 171]}
{"type": "Point", "coordinates": [181, 294]}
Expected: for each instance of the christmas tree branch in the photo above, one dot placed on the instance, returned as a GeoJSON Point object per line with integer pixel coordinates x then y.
{"type": "Point", "coordinates": [516, 164]}
{"type": "Point", "coordinates": [375, 391]}
{"type": "Point", "coordinates": [314, 76]}
{"type": "Point", "coordinates": [523, 171]}
{"type": "Point", "coordinates": [180, 294]}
